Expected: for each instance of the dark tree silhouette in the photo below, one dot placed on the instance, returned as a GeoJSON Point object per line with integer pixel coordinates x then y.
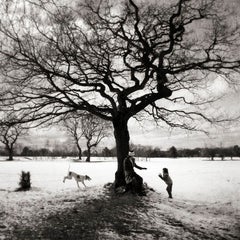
{"type": "Point", "coordinates": [72, 125]}
{"type": "Point", "coordinates": [236, 151]}
{"type": "Point", "coordinates": [211, 152]}
{"type": "Point", "coordinates": [173, 152]}
{"type": "Point", "coordinates": [9, 134]}
{"type": "Point", "coordinates": [94, 130]}
{"type": "Point", "coordinates": [116, 61]}
{"type": "Point", "coordinates": [87, 126]}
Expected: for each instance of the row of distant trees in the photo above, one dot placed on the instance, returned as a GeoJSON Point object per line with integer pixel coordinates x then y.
{"type": "Point", "coordinates": [141, 151]}
{"type": "Point", "coordinates": [173, 152]}
{"type": "Point", "coordinates": [93, 130]}
{"type": "Point", "coordinates": [77, 126]}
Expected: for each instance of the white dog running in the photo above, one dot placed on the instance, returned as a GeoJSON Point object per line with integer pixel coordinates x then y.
{"type": "Point", "coordinates": [77, 177]}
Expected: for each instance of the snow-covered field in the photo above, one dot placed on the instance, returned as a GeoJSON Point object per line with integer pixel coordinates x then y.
{"type": "Point", "coordinates": [196, 180]}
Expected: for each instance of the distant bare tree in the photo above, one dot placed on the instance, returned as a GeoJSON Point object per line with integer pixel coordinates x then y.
{"type": "Point", "coordinates": [117, 60]}
{"type": "Point", "coordinates": [72, 125]}
{"type": "Point", "coordinates": [9, 134]}
{"type": "Point", "coordinates": [87, 126]}
{"type": "Point", "coordinates": [210, 152]}
{"type": "Point", "coordinates": [236, 151]}
{"type": "Point", "coordinates": [173, 153]}
{"type": "Point", "coordinates": [94, 130]}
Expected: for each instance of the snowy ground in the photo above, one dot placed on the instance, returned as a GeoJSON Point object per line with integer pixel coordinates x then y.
{"type": "Point", "coordinates": [206, 197]}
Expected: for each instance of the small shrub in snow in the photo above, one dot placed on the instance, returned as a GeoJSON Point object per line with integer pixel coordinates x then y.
{"type": "Point", "coordinates": [25, 181]}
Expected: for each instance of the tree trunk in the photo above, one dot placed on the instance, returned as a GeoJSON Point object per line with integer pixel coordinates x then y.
{"type": "Point", "coordinates": [10, 153]}
{"type": "Point", "coordinates": [79, 156]}
{"type": "Point", "coordinates": [79, 152]}
{"type": "Point", "coordinates": [88, 154]}
{"type": "Point", "coordinates": [122, 145]}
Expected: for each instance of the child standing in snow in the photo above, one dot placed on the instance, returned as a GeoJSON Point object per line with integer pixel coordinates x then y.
{"type": "Point", "coordinates": [166, 178]}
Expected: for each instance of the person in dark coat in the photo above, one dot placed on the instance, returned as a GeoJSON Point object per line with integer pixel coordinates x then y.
{"type": "Point", "coordinates": [134, 182]}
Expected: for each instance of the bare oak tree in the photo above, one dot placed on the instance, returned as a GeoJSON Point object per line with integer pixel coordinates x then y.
{"type": "Point", "coordinates": [9, 134]}
{"type": "Point", "coordinates": [88, 126]}
{"type": "Point", "coordinates": [94, 130]}
{"type": "Point", "coordinates": [72, 125]}
{"type": "Point", "coordinates": [117, 60]}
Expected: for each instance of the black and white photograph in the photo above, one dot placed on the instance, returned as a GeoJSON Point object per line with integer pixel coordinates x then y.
{"type": "Point", "coordinates": [120, 120]}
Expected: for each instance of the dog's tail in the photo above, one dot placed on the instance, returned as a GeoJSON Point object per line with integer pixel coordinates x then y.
{"type": "Point", "coordinates": [68, 167]}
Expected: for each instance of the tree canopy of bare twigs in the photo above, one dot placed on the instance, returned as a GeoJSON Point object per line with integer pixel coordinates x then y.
{"type": "Point", "coordinates": [116, 60]}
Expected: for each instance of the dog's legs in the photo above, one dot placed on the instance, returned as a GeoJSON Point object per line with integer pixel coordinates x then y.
{"type": "Point", "coordinates": [84, 184]}
{"type": "Point", "coordinates": [67, 177]}
{"type": "Point", "coordinates": [64, 179]}
{"type": "Point", "coordinates": [77, 184]}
